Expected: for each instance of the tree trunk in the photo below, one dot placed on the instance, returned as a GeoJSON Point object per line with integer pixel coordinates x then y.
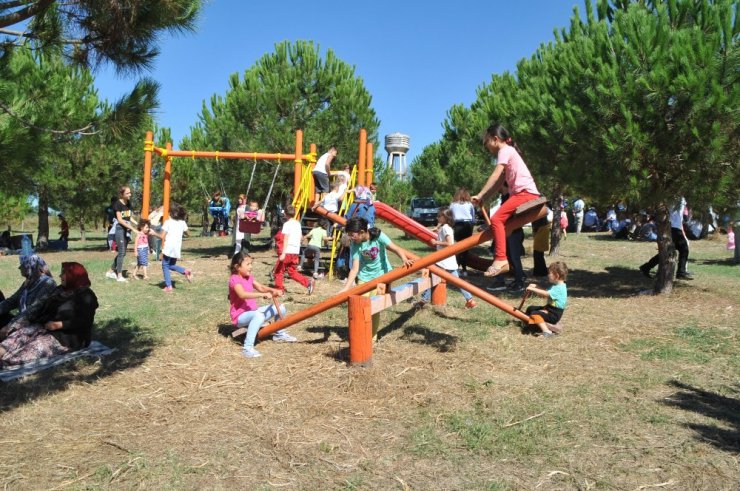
{"type": "Point", "coordinates": [736, 229]}
{"type": "Point", "coordinates": [555, 231]}
{"type": "Point", "coordinates": [667, 253]}
{"type": "Point", "coordinates": [42, 242]}
{"type": "Point", "coordinates": [82, 229]}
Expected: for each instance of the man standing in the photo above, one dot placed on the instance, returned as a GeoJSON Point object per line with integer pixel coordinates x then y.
{"type": "Point", "coordinates": [679, 241]}
{"type": "Point", "coordinates": [578, 206]}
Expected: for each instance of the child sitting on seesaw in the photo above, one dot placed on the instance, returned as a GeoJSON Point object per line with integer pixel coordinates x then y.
{"type": "Point", "coordinates": [547, 316]}
{"type": "Point", "coordinates": [243, 294]}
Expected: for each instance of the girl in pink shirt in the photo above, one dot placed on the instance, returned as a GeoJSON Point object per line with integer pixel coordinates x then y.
{"type": "Point", "coordinates": [243, 295]}
{"type": "Point", "coordinates": [510, 167]}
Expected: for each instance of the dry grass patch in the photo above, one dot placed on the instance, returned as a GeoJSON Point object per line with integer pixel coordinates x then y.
{"type": "Point", "coordinates": [640, 392]}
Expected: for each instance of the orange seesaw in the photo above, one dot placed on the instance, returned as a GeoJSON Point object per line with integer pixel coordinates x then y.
{"type": "Point", "coordinates": [359, 324]}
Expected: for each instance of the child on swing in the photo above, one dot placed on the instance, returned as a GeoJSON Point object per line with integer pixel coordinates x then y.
{"type": "Point", "coordinates": [250, 218]}
{"type": "Point", "coordinates": [510, 167]}
{"type": "Point", "coordinates": [547, 316]}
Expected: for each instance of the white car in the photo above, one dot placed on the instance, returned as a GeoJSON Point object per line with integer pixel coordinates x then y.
{"type": "Point", "coordinates": [424, 210]}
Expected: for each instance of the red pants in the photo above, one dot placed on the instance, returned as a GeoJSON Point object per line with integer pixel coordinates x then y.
{"type": "Point", "coordinates": [289, 265]}
{"type": "Point", "coordinates": [502, 215]}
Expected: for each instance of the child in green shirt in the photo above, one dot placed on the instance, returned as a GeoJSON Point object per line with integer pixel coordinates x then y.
{"type": "Point", "coordinates": [547, 316]}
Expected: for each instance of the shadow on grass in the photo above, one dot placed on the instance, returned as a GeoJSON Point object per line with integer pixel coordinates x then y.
{"type": "Point", "coordinates": [722, 408]}
{"type": "Point", "coordinates": [133, 347]}
{"type": "Point", "coordinates": [326, 332]}
{"type": "Point", "coordinates": [728, 261]}
{"type": "Point", "coordinates": [615, 282]}
{"type": "Point", "coordinates": [420, 334]}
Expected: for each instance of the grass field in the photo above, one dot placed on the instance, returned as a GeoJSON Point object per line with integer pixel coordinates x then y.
{"type": "Point", "coordinates": [640, 392]}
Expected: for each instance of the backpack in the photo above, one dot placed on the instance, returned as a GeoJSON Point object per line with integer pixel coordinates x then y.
{"type": "Point", "coordinates": [362, 209]}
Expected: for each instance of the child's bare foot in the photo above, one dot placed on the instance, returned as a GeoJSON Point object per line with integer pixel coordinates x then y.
{"type": "Point", "coordinates": [145, 277]}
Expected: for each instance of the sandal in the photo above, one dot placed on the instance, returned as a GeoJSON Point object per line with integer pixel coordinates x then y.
{"type": "Point", "coordinates": [494, 271]}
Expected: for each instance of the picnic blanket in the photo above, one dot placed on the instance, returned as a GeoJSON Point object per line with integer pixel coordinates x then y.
{"type": "Point", "coordinates": [96, 348]}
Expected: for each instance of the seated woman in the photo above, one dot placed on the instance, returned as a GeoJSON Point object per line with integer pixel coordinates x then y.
{"type": "Point", "coordinates": [63, 323]}
{"type": "Point", "coordinates": [30, 296]}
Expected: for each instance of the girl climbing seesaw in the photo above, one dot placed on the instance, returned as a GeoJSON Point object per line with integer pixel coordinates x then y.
{"type": "Point", "coordinates": [510, 167]}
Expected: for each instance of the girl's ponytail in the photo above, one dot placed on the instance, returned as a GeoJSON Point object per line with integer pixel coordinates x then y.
{"type": "Point", "coordinates": [502, 134]}
{"type": "Point", "coordinates": [374, 233]}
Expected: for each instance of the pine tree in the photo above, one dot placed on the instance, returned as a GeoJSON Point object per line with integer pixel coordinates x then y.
{"type": "Point", "coordinates": [294, 87]}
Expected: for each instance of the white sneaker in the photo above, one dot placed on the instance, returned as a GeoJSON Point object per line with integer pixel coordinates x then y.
{"type": "Point", "coordinates": [251, 353]}
{"type": "Point", "coordinates": [122, 280]}
{"type": "Point", "coordinates": [111, 275]}
{"type": "Point", "coordinates": [283, 337]}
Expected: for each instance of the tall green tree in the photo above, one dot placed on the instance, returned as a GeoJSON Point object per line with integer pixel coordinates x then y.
{"type": "Point", "coordinates": [637, 100]}
{"type": "Point", "coordinates": [46, 92]}
{"type": "Point", "coordinates": [294, 87]}
{"type": "Point", "coordinates": [656, 85]}
{"type": "Point", "coordinates": [122, 32]}
{"type": "Point", "coordinates": [391, 189]}
{"type": "Point", "coordinates": [77, 34]}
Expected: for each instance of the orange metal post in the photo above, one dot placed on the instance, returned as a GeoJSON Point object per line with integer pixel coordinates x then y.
{"type": "Point", "coordinates": [360, 331]}
{"type": "Point", "coordinates": [146, 191]}
{"type": "Point", "coordinates": [369, 164]}
{"type": "Point", "coordinates": [298, 161]}
{"type": "Point", "coordinates": [439, 293]}
{"type": "Point", "coordinates": [312, 188]}
{"type": "Point", "coordinates": [361, 158]}
{"type": "Point", "coordinates": [166, 186]}
{"type": "Point", "coordinates": [419, 264]}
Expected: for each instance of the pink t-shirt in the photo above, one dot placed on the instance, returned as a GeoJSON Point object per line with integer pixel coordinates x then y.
{"type": "Point", "coordinates": [142, 240]}
{"type": "Point", "coordinates": [517, 174]}
{"type": "Point", "coordinates": [240, 305]}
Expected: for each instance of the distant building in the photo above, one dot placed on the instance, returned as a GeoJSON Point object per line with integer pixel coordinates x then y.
{"type": "Point", "coordinates": [397, 145]}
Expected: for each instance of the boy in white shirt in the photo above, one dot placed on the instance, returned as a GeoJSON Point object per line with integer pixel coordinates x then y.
{"type": "Point", "coordinates": [290, 256]}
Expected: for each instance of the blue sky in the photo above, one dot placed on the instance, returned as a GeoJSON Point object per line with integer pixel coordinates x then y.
{"type": "Point", "coordinates": [417, 59]}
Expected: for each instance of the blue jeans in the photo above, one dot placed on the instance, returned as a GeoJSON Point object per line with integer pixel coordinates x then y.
{"type": "Point", "coordinates": [427, 295]}
{"type": "Point", "coordinates": [170, 264]}
{"type": "Point", "coordinates": [254, 319]}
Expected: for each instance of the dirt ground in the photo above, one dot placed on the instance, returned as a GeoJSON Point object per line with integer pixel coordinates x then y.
{"type": "Point", "coordinates": [640, 392]}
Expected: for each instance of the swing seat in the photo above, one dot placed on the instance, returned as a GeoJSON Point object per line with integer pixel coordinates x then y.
{"type": "Point", "coordinates": [249, 226]}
